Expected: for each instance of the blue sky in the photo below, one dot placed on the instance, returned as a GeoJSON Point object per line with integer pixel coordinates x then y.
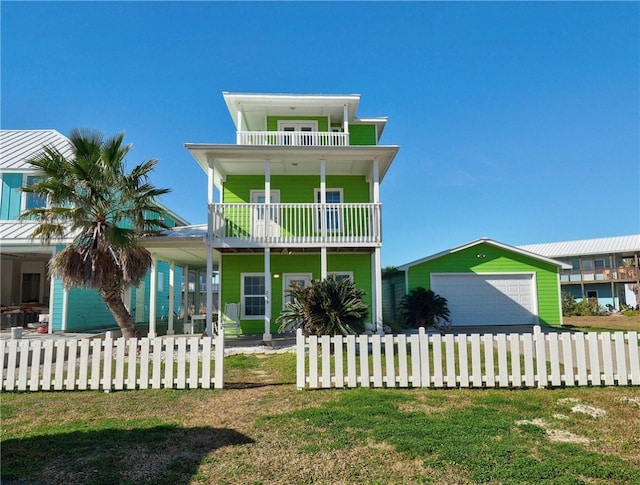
{"type": "Point", "coordinates": [516, 121]}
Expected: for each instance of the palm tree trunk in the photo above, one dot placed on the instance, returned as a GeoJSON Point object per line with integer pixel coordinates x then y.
{"type": "Point", "coordinates": [113, 299]}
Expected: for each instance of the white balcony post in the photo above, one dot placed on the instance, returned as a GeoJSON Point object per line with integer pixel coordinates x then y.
{"type": "Point", "coordinates": [345, 115]}
{"type": "Point", "coordinates": [267, 198]}
{"type": "Point", "coordinates": [377, 290]}
{"type": "Point", "coordinates": [172, 297]}
{"type": "Point", "coordinates": [239, 125]}
{"type": "Point", "coordinates": [323, 200]}
{"type": "Point", "coordinates": [153, 296]}
{"type": "Point", "coordinates": [267, 295]}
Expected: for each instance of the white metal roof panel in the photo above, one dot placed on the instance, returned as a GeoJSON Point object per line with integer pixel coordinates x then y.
{"type": "Point", "coordinates": [18, 146]}
{"type": "Point", "coordinates": [19, 232]}
{"type": "Point", "coordinates": [584, 247]}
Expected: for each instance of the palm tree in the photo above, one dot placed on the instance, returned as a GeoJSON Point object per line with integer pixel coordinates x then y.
{"type": "Point", "coordinates": [327, 307]}
{"type": "Point", "coordinates": [423, 308]}
{"type": "Point", "coordinates": [90, 196]}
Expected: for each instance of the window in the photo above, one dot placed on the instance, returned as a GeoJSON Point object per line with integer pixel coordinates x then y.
{"type": "Point", "coordinates": [33, 201]}
{"type": "Point", "coordinates": [333, 213]}
{"type": "Point", "coordinates": [298, 126]}
{"type": "Point", "coordinates": [31, 287]}
{"type": "Point", "coordinates": [253, 295]}
{"type": "Point", "coordinates": [343, 275]}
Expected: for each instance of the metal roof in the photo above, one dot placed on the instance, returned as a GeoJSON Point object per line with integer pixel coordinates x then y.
{"type": "Point", "coordinates": [585, 247]}
{"type": "Point", "coordinates": [18, 146]}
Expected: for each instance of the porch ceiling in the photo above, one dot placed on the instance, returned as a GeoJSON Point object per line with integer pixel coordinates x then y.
{"type": "Point", "coordinates": [248, 160]}
{"type": "Point", "coordinates": [182, 245]}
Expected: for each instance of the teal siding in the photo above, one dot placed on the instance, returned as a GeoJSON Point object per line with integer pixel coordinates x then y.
{"type": "Point", "coordinates": [87, 311]}
{"type": "Point", "coordinates": [11, 196]}
{"type": "Point", "coordinates": [55, 319]}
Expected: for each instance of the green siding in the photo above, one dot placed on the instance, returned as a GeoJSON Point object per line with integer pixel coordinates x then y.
{"type": "Point", "coordinates": [272, 121]}
{"type": "Point", "coordinates": [233, 265]}
{"type": "Point", "coordinates": [11, 196]}
{"type": "Point", "coordinates": [497, 260]}
{"type": "Point", "coordinates": [362, 135]}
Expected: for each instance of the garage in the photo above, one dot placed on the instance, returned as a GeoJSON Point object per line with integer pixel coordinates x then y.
{"type": "Point", "coordinates": [487, 283]}
{"type": "Point", "coordinates": [488, 299]}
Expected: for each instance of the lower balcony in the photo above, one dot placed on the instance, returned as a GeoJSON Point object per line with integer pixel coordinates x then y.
{"type": "Point", "coordinates": [273, 225]}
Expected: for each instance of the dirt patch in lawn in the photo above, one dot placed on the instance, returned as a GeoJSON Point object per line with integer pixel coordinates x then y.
{"type": "Point", "coordinates": [608, 322]}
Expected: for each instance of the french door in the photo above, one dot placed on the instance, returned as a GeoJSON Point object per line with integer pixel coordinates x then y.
{"type": "Point", "coordinates": [259, 220]}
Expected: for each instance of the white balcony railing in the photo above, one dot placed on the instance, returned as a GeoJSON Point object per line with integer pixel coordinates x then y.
{"type": "Point", "coordinates": [296, 224]}
{"type": "Point", "coordinates": [292, 138]}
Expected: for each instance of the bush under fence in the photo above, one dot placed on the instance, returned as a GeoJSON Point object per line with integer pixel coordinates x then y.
{"type": "Point", "coordinates": [477, 360]}
{"type": "Point", "coordinates": [112, 364]}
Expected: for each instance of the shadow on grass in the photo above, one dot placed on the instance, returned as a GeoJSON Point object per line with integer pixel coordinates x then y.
{"type": "Point", "coordinates": [164, 454]}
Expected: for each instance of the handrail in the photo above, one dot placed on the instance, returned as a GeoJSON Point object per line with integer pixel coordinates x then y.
{"type": "Point", "coordinates": [292, 138]}
{"type": "Point", "coordinates": [305, 223]}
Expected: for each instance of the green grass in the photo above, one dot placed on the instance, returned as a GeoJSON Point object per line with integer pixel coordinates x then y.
{"type": "Point", "coordinates": [262, 430]}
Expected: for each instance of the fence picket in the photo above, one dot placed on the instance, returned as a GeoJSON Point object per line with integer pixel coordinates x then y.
{"type": "Point", "coordinates": [12, 350]}
{"type": "Point", "coordinates": [58, 381]}
{"type": "Point", "coordinates": [476, 362]}
{"type": "Point", "coordinates": [207, 344]}
{"type": "Point", "coordinates": [23, 366]}
{"type": "Point", "coordinates": [503, 371]}
{"type": "Point", "coordinates": [313, 361]}
{"type": "Point", "coordinates": [96, 360]}
{"type": "Point", "coordinates": [567, 359]}
{"type": "Point", "coordinates": [594, 358]}
{"type": "Point", "coordinates": [194, 350]}
{"type": "Point", "coordinates": [450, 359]}
{"type": "Point", "coordinates": [489, 370]}
{"type": "Point", "coordinates": [143, 380]}
{"type": "Point", "coordinates": [416, 378]}
{"type": "Point", "coordinates": [34, 382]}
{"type": "Point", "coordinates": [403, 370]}
{"type": "Point", "coordinates": [529, 360]}
{"type": "Point", "coordinates": [540, 347]}
{"type": "Point", "coordinates": [352, 377]}
{"type": "Point", "coordinates": [181, 377]}
{"type": "Point", "coordinates": [132, 350]}
{"type": "Point", "coordinates": [365, 379]}
{"type": "Point", "coordinates": [634, 358]}
{"type": "Point", "coordinates": [169, 359]}
{"type": "Point", "coordinates": [581, 359]}
{"type": "Point", "coordinates": [554, 359]}
{"type": "Point", "coordinates": [607, 360]}
{"type": "Point", "coordinates": [121, 347]}
{"type": "Point", "coordinates": [83, 367]}
{"type": "Point", "coordinates": [72, 355]}
{"type": "Point", "coordinates": [390, 368]}
{"type": "Point", "coordinates": [377, 360]}
{"type": "Point", "coordinates": [621, 358]}
{"type": "Point", "coordinates": [338, 351]}
{"type": "Point", "coordinates": [325, 345]}
{"type": "Point", "coordinates": [516, 373]}
{"type": "Point", "coordinates": [425, 374]}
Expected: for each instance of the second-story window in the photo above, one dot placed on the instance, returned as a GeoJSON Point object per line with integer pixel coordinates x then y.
{"type": "Point", "coordinates": [332, 212]}
{"type": "Point", "coordinates": [301, 132]}
{"type": "Point", "coordinates": [32, 201]}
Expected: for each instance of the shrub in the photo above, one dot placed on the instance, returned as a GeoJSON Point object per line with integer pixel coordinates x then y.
{"type": "Point", "coordinates": [327, 307]}
{"type": "Point", "coordinates": [423, 308]}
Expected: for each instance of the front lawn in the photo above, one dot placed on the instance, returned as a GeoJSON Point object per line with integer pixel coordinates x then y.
{"type": "Point", "coordinates": [262, 430]}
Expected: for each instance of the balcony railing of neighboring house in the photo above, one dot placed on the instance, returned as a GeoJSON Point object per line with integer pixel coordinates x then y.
{"type": "Point", "coordinates": [619, 274]}
{"type": "Point", "coordinates": [339, 224]}
{"type": "Point", "coordinates": [293, 138]}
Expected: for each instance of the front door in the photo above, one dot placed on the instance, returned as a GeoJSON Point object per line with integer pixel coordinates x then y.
{"type": "Point", "coordinates": [303, 280]}
{"type": "Point", "coordinates": [258, 219]}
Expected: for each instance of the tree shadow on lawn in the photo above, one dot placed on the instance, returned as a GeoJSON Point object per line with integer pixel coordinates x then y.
{"type": "Point", "coordinates": [158, 454]}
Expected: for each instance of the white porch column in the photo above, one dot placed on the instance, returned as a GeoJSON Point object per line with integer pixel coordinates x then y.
{"type": "Point", "coordinates": [220, 308]}
{"type": "Point", "coordinates": [65, 306]}
{"type": "Point", "coordinates": [172, 297]}
{"type": "Point", "coordinates": [209, 316]}
{"type": "Point", "coordinates": [185, 296]}
{"type": "Point", "coordinates": [376, 269]}
{"type": "Point", "coordinates": [323, 218]}
{"type": "Point", "coordinates": [267, 198]}
{"type": "Point", "coordinates": [239, 124]}
{"type": "Point", "coordinates": [267, 295]}
{"type": "Point", "coordinates": [52, 293]}
{"type": "Point", "coordinates": [153, 290]}
{"type": "Point", "coordinates": [375, 196]}
{"type": "Point", "coordinates": [345, 115]}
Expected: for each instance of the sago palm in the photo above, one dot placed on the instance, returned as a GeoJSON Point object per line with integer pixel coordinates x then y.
{"type": "Point", "coordinates": [326, 307]}
{"type": "Point", "coordinates": [91, 197]}
{"type": "Point", "coordinates": [423, 308]}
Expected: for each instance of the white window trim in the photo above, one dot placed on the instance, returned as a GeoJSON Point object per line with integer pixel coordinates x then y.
{"type": "Point", "coordinates": [316, 197]}
{"type": "Point", "coordinates": [286, 289]}
{"type": "Point", "coordinates": [282, 124]}
{"type": "Point", "coordinates": [243, 316]}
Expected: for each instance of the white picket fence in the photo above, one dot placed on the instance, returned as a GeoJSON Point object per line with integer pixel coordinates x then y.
{"type": "Point", "coordinates": [112, 364]}
{"type": "Point", "coordinates": [488, 360]}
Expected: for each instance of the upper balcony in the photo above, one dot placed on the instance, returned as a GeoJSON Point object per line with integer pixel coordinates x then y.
{"type": "Point", "coordinates": [618, 274]}
{"type": "Point", "coordinates": [293, 138]}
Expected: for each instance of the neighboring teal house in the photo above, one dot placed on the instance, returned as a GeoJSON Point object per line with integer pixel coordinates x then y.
{"type": "Point", "coordinates": [605, 270]}
{"type": "Point", "coordinates": [27, 293]}
{"type": "Point", "coordinates": [297, 199]}
{"type": "Point", "coordinates": [487, 282]}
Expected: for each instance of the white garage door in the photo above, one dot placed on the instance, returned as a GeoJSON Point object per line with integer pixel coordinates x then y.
{"type": "Point", "coordinates": [477, 299]}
